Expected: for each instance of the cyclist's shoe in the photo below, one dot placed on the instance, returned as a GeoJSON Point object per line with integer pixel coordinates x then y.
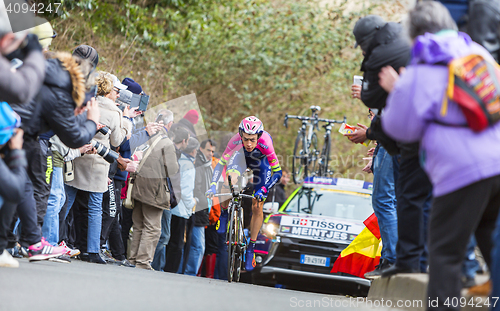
{"type": "Point", "coordinates": [250, 257]}
{"type": "Point", "coordinates": [44, 250]}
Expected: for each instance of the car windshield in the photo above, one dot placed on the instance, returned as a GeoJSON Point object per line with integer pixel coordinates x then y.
{"type": "Point", "coordinates": [334, 203]}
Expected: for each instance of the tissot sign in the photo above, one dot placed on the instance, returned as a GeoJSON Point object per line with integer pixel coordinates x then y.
{"type": "Point", "coordinates": [327, 229]}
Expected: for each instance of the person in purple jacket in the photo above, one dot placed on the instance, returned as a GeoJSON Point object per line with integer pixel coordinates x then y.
{"type": "Point", "coordinates": [463, 165]}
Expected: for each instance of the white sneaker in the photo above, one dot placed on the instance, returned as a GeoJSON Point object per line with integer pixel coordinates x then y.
{"type": "Point", "coordinates": [71, 252]}
{"type": "Point", "coordinates": [6, 260]}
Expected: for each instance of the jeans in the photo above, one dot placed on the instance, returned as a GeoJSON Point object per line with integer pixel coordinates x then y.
{"type": "Point", "coordinates": [384, 202]}
{"type": "Point", "coordinates": [57, 198]}
{"type": "Point", "coordinates": [197, 250]}
{"type": "Point", "coordinates": [470, 264]}
{"type": "Point", "coordinates": [495, 264]}
{"type": "Point", "coordinates": [94, 219]}
{"type": "Point", "coordinates": [160, 256]}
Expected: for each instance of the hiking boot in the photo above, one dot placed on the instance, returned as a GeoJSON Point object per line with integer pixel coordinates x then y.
{"type": "Point", "coordinates": [6, 260]}
{"type": "Point", "coordinates": [71, 252]}
{"type": "Point", "coordinates": [43, 250]}
{"type": "Point", "coordinates": [375, 274]}
{"type": "Point", "coordinates": [250, 257]}
{"type": "Point", "coordinates": [107, 257]}
{"type": "Point", "coordinates": [483, 290]}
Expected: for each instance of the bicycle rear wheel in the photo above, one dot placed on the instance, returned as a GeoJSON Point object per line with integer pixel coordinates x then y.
{"type": "Point", "coordinates": [231, 246]}
{"type": "Point", "coordinates": [300, 159]}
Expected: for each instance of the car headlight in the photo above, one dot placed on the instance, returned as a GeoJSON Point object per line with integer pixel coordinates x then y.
{"type": "Point", "coordinates": [270, 229]}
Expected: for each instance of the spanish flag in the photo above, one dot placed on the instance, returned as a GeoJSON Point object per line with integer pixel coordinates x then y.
{"type": "Point", "coordinates": [363, 254]}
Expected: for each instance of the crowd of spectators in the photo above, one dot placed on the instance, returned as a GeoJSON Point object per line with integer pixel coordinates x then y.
{"type": "Point", "coordinates": [73, 150]}
{"type": "Point", "coordinates": [434, 194]}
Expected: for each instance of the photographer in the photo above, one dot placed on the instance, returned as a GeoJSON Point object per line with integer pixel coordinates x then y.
{"type": "Point", "coordinates": [91, 170]}
{"type": "Point", "coordinates": [21, 85]}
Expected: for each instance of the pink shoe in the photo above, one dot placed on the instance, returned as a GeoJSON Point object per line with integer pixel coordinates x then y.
{"type": "Point", "coordinates": [43, 250]}
{"type": "Point", "coordinates": [71, 252]}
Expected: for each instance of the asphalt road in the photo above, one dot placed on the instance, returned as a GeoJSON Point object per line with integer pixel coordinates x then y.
{"type": "Point", "coordinates": [48, 285]}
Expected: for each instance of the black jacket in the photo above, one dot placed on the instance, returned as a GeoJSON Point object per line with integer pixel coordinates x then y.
{"type": "Point", "coordinates": [389, 47]}
{"type": "Point", "coordinates": [202, 183]}
{"type": "Point", "coordinates": [54, 105]}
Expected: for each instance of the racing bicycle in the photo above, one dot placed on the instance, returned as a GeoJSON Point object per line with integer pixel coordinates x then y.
{"type": "Point", "coordinates": [235, 234]}
{"type": "Point", "coordinates": [305, 151]}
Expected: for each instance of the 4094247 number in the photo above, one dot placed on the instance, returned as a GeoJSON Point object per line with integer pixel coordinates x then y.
{"type": "Point", "coordinates": [35, 8]}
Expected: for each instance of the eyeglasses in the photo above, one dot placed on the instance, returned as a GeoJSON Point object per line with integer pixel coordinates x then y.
{"type": "Point", "coordinates": [51, 37]}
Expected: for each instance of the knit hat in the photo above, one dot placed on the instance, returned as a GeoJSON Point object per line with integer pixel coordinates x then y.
{"type": "Point", "coordinates": [192, 116]}
{"type": "Point", "coordinates": [87, 52]}
{"type": "Point", "coordinates": [133, 86]}
{"type": "Point", "coordinates": [365, 29]}
{"type": "Point", "coordinates": [9, 120]}
{"type": "Point", "coordinates": [192, 145]}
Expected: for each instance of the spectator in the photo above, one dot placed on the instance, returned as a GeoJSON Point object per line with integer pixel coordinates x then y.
{"type": "Point", "coordinates": [21, 85]}
{"type": "Point", "coordinates": [473, 179]}
{"type": "Point", "coordinates": [186, 204]}
{"type": "Point", "coordinates": [188, 122]}
{"type": "Point", "coordinates": [203, 179]}
{"type": "Point", "coordinates": [382, 44]}
{"type": "Point", "coordinates": [165, 117]}
{"type": "Point", "coordinates": [158, 164]}
{"type": "Point", "coordinates": [40, 116]}
{"type": "Point", "coordinates": [87, 52]}
{"type": "Point", "coordinates": [278, 193]}
{"type": "Point", "coordinates": [12, 174]}
{"type": "Point", "coordinates": [91, 170]}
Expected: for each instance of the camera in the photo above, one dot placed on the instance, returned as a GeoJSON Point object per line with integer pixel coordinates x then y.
{"type": "Point", "coordinates": [109, 155]}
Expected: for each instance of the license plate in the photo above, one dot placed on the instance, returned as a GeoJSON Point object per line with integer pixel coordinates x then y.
{"type": "Point", "coordinates": [315, 260]}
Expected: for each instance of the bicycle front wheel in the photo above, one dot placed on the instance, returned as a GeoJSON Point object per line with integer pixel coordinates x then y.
{"type": "Point", "coordinates": [231, 246]}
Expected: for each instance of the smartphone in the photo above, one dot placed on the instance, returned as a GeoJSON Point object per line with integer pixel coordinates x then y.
{"type": "Point", "coordinates": [16, 63]}
{"type": "Point", "coordinates": [358, 80]}
{"type": "Point", "coordinates": [136, 101]}
{"type": "Point", "coordinates": [144, 103]}
{"type": "Point", "coordinates": [141, 148]}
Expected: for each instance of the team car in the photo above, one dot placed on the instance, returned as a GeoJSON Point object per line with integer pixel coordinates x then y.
{"type": "Point", "coordinates": [301, 241]}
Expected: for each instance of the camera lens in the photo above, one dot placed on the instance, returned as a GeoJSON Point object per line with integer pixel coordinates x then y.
{"type": "Point", "coordinates": [105, 130]}
{"type": "Point", "coordinates": [109, 155]}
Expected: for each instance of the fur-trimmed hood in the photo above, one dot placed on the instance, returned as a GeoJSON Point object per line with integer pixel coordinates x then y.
{"type": "Point", "coordinates": [64, 72]}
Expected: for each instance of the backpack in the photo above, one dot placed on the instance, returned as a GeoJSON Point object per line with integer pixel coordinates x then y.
{"type": "Point", "coordinates": [474, 85]}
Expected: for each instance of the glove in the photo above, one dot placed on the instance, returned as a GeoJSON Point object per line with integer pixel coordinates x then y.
{"type": "Point", "coordinates": [261, 194]}
{"type": "Point", "coordinates": [30, 44]}
{"type": "Point", "coordinates": [210, 193]}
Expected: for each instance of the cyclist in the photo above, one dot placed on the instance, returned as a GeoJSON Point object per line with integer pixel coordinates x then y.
{"type": "Point", "coordinates": [252, 147]}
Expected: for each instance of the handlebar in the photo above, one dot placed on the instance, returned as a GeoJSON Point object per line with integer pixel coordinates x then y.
{"type": "Point", "coordinates": [315, 119]}
{"type": "Point", "coordinates": [331, 121]}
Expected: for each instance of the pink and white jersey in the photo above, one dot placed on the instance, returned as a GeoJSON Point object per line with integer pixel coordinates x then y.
{"type": "Point", "coordinates": [264, 149]}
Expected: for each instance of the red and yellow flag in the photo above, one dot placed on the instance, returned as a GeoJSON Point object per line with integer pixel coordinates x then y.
{"type": "Point", "coordinates": [363, 254]}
